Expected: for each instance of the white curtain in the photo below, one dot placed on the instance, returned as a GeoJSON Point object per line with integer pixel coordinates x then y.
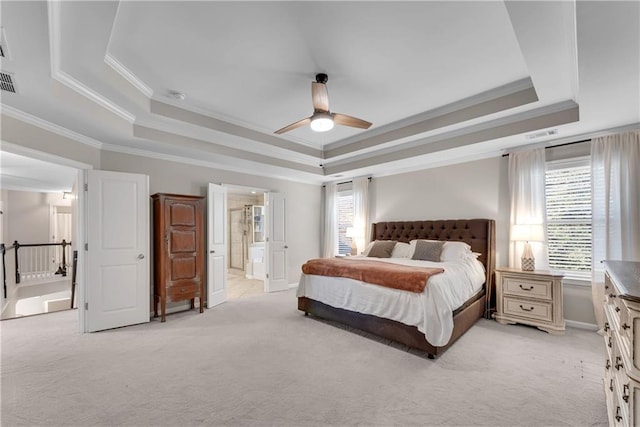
{"type": "Point", "coordinates": [615, 186]}
{"type": "Point", "coordinates": [330, 223]}
{"type": "Point", "coordinates": [361, 210]}
{"type": "Point", "coordinates": [528, 204]}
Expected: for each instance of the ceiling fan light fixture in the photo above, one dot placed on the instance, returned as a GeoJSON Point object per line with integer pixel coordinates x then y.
{"type": "Point", "coordinates": [321, 122]}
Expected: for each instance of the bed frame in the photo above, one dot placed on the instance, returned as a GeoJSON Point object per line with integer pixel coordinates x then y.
{"type": "Point", "coordinates": [478, 233]}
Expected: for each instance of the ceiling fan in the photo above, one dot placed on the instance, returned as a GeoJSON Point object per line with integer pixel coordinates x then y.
{"type": "Point", "coordinates": [322, 119]}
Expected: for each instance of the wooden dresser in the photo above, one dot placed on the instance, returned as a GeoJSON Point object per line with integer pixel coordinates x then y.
{"type": "Point", "coordinates": [530, 297]}
{"type": "Point", "coordinates": [622, 344]}
{"type": "Point", "coordinates": [178, 248]}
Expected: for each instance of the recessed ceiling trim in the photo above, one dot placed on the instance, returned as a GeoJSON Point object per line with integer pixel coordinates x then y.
{"type": "Point", "coordinates": [53, 12]}
{"type": "Point", "coordinates": [177, 113]}
{"type": "Point", "coordinates": [48, 126]}
{"type": "Point", "coordinates": [241, 169]}
{"type": "Point", "coordinates": [135, 81]}
{"type": "Point", "coordinates": [193, 143]}
{"type": "Point", "coordinates": [568, 115]}
{"type": "Point", "coordinates": [499, 99]}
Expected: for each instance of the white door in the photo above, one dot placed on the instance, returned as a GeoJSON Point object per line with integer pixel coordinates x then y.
{"type": "Point", "coordinates": [276, 243]}
{"type": "Point", "coordinates": [216, 245]}
{"type": "Point", "coordinates": [117, 278]}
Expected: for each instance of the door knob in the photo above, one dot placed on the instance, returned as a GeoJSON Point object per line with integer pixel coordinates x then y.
{"type": "Point", "coordinates": [140, 256]}
{"type": "Point", "coordinates": [286, 247]}
{"type": "Point", "coordinates": [212, 252]}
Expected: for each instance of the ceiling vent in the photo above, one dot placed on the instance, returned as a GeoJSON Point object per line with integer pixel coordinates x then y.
{"type": "Point", "coordinates": [7, 82]}
{"type": "Point", "coordinates": [542, 134]}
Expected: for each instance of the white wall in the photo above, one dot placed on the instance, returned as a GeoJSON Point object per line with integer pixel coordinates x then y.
{"type": "Point", "coordinates": [478, 189]}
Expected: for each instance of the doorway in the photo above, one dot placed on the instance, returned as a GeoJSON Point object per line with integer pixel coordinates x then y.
{"type": "Point", "coordinates": [37, 214]}
{"type": "Point", "coordinates": [245, 269]}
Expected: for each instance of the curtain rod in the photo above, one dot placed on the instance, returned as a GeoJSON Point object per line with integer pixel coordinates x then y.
{"type": "Point", "coordinates": [559, 145]}
{"type": "Point", "coordinates": [347, 182]}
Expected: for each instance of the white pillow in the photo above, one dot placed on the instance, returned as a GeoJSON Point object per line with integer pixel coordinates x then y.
{"type": "Point", "coordinates": [402, 250]}
{"type": "Point", "coordinates": [454, 251]}
{"type": "Point", "coordinates": [451, 251]}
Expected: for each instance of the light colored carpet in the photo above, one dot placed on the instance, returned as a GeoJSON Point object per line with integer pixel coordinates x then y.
{"type": "Point", "coordinates": [258, 361]}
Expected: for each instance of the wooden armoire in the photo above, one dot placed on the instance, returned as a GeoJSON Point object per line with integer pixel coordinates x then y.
{"type": "Point", "coordinates": [178, 248]}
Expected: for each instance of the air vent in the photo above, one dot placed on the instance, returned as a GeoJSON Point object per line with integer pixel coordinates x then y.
{"type": "Point", "coordinates": [542, 134]}
{"type": "Point", "coordinates": [7, 83]}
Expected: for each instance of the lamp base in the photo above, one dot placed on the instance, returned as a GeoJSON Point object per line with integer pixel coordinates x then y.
{"type": "Point", "coordinates": [528, 264]}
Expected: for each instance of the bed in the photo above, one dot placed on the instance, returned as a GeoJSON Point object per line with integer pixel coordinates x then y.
{"type": "Point", "coordinates": [479, 234]}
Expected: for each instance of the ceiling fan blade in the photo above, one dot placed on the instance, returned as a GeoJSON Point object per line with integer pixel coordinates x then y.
{"type": "Point", "coordinates": [354, 122]}
{"type": "Point", "coordinates": [320, 96]}
{"type": "Point", "coordinates": [295, 125]}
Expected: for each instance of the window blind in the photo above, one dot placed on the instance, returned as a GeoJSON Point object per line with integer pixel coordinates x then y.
{"type": "Point", "coordinates": [568, 198]}
{"type": "Point", "coordinates": [345, 219]}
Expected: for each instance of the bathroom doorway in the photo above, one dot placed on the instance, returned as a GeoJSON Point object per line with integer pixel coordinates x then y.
{"type": "Point", "coordinates": [246, 268]}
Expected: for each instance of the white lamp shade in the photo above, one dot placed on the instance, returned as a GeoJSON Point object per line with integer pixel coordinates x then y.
{"type": "Point", "coordinates": [527, 232]}
{"type": "Point", "coordinates": [354, 232]}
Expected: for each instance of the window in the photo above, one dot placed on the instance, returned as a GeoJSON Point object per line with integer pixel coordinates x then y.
{"type": "Point", "coordinates": [345, 219]}
{"type": "Point", "coordinates": [568, 198]}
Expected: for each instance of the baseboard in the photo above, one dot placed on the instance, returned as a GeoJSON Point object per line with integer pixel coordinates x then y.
{"type": "Point", "coordinates": [581, 325]}
{"type": "Point", "coordinates": [293, 285]}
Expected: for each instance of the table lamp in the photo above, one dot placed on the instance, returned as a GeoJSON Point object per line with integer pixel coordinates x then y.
{"type": "Point", "coordinates": [527, 233]}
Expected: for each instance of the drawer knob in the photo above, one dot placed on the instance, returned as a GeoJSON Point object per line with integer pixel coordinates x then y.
{"type": "Point", "coordinates": [618, 416]}
{"type": "Point", "coordinates": [609, 343]}
{"type": "Point", "coordinates": [526, 289]}
{"type": "Point", "coordinates": [617, 309]}
{"type": "Point", "coordinates": [625, 326]}
{"type": "Point", "coordinates": [526, 309]}
{"type": "Point", "coordinates": [625, 393]}
{"type": "Point", "coordinates": [608, 365]}
{"type": "Point", "coordinates": [611, 385]}
{"type": "Point", "coordinates": [606, 326]}
{"type": "Point", "coordinates": [618, 362]}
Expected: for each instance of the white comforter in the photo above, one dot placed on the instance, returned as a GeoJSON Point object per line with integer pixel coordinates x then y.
{"type": "Point", "coordinates": [430, 311]}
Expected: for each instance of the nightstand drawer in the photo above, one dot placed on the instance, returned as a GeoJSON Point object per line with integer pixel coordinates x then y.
{"type": "Point", "coordinates": [528, 288]}
{"type": "Point", "coordinates": [537, 310]}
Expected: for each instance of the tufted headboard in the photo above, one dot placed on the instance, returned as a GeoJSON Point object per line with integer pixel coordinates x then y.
{"type": "Point", "coordinates": [478, 233]}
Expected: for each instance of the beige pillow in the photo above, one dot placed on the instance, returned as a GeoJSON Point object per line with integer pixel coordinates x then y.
{"type": "Point", "coordinates": [382, 249]}
{"type": "Point", "coordinates": [427, 250]}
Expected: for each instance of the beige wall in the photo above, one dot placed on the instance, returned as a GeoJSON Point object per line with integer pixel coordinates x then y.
{"type": "Point", "coordinates": [477, 189]}
{"type": "Point", "coordinates": [303, 200]}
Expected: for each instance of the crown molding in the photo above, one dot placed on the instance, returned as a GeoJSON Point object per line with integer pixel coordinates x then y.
{"type": "Point", "coordinates": [205, 121]}
{"type": "Point", "coordinates": [205, 163]}
{"type": "Point", "coordinates": [500, 99]}
{"type": "Point", "coordinates": [554, 115]}
{"type": "Point", "coordinates": [53, 14]}
{"type": "Point", "coordinates": [50, 127]}
{"type": "Point", "coordinates": [128, 75]}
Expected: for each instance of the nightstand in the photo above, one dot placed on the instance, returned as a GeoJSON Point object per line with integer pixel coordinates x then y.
{"type": "Point", "coordinates": [530, 297]}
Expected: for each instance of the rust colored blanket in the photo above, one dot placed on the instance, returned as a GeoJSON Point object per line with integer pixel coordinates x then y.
{"type": "Point", "coordinates": [403, 277]}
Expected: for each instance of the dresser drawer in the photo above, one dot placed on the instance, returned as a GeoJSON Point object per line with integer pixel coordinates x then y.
{"type": "Point", "coordinates": [528, 288]}
{"type": "Point", "coordinates": [183, 291]}
{"type": "Point", "coordinates": [536, 310]}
